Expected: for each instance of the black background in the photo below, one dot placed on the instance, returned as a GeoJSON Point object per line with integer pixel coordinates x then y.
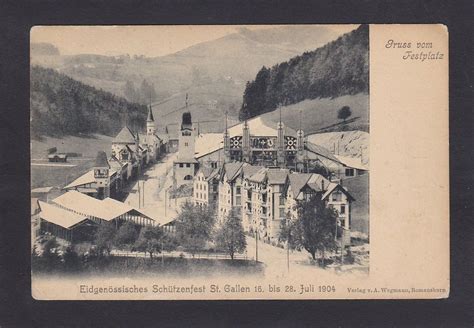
{"type": "Point", "coordinates": [17, 308]}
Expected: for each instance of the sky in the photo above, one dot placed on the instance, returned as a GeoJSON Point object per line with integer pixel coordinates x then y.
{"type": "Point", "coordinates": [151, 41]}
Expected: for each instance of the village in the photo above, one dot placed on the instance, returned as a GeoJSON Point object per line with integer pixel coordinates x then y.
{"type": "Point", "coordinates": [253, 172]}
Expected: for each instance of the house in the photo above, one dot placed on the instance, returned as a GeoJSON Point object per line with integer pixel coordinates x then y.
{"type": "Point", "coordinates": [104, 180]}
{"type": "Point", "coordinates": [230, 189]}
{"type": "Point", "coordinates": [57, 157]}
{"type": "Point", "coordinates": [304, 186]}
{"type": "Point", "coordinates": [352, 167]}
{"type": "Point", "coordinates": [206, 186]}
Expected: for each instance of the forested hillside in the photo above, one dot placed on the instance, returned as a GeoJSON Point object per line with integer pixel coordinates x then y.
{"type": "Point", "coordinates": [339, 68]}
{"type": "Point", "coordinates": [63, 106]}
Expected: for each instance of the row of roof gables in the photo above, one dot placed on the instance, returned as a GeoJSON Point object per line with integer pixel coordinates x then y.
{"type": "Point", "coordinates": [107, 209]}
{"type": "Point", "coordinates": [274, 176]}
{"type": "Point", "coordinates": [126, 136]}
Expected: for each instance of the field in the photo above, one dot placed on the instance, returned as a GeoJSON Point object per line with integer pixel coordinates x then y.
{"type": "Point", "coordinates": [44, 174]}
{"type": "Point", "coordinates": [318, 114]}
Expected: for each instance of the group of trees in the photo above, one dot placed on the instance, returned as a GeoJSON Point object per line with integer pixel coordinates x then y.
{"type": "Point", "coordinates": [339, 68]}
{"type": "Point", "coordinates": [195, 230]}
{"type": "Point", "coordinates": [196, 226]}
{"type": "Point", "coordinates": [143, 94]}
{"type": "Point", "coordinates": [63, 106]}
{"type": "Point", "coordinates": [314, 229]}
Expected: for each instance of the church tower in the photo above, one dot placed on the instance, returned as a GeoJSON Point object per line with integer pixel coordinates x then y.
{"type": "Point", "coordinates": [150, 123]}
{"type": "Point", "coordinates": [186, 138]}
{"type": "Point", "coordinates": [101, 175]}
{"type": "Point", "coordinates": [185, 165]}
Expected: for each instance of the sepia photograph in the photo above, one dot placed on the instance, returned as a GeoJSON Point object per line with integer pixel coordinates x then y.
{"type": "Point", "coordinates": [205, 151]}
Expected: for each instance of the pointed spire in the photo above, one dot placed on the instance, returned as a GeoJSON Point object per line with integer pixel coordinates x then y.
{"type": "Point", "coordinates": [150, 117]}
{"type": "Point", "coordinates": [279, 107]}
{"type": "Point", "coordinates": [300, 119]}
{"type": "Point", "coordinates": [225, 121]}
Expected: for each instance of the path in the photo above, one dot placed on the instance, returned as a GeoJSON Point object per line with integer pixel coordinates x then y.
{"type": "Point", "coordinates": [158, 179]}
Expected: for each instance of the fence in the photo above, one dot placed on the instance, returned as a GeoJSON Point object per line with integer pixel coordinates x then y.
{"type": "Point", "coordinates": [177, 254]}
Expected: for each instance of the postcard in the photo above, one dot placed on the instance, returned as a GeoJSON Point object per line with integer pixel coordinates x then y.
{"type": "Point", "coordinates": [202, 162]}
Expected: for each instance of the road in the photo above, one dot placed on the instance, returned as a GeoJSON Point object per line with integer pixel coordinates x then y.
{"type": "Point", "coordinates": [276, 262]}
{"type": "Point", "coordinates": [158, 178]}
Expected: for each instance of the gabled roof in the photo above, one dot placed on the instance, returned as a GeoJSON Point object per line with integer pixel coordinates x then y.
{"type": "Point", "coordinates": [125, 136]}
{"type": "Point", "coordinates": [352, 162]}
{"type": "Point", "coordinates": [333, 186]}
{"type": "Point", "coordinates": [250, 170]}
{"type": "Point", "coordinates": [298, 181]}
{"type": "Point", "coordinates": [232, 170]}
{"type": "Point", "coordinates": [86, 178]}
{"type": "Point", "coordinates": [318, 150]}
{"type": "Point", "coordinates": [59, 216]}
{"type": "Point", "coordinates": [76, 201]}
{"type": "Point", "coordinates": [206, 171]}
{"type": "Point", "coordinates": [277, 176]}
{"type": "Point", "coordinates": [101, 160]}
{"type": "Point", "coordinates": [260, 176]}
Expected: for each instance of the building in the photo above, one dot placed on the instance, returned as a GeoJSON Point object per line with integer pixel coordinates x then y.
{"type": "Point", "coordinates": [150, 140]}
{"type": "Point", "coordinates": [352, 167]}
{"type": "Point", "coordinates": [230, 189]}
{"type": "Point", "coordinates": [206, 186]}
{"type": "Point", "coordinates": [304, 186]}
{"type": "Point", "coordinates": [57, 157]}
{"type": "Point", "coordinates": [100, 211]}
{"type": "Point", "coordinates": [65, 224]}
{"type": "Point", "coordinates": [106, 179]}
{"type": "Point", "coordinates": [257, 143]}
{"type": "Point", "coordinates": [126, 148]}
{"type": "Point", "coordinates": [185, 166]}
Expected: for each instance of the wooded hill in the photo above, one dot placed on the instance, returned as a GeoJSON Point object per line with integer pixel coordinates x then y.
{"type": "Point", "coordinates": [63, 106]}
{"type": "Point", "coordinates": [339, 68]}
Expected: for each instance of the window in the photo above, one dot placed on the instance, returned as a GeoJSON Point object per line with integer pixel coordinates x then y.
{"type": "Point", "coordinates": [185, 144]}
{"type": "Point", "coordinates": [282, 200]}
{"type": "Point", "coordinates": [188, 165]}
{"type": "Point", "coordinates": [349, 172]}
{"type": "Point", "coordinates": [336, 197]}
{"type": "Point", "coordinates": [180, 164]}
{"type": "Point", "coordinates": [188, 177]}
{"type": "Point", "coordinates": [237, 191]}
{"type": "Point", "coordinates": [343, 209]}
{"type": "Point", "coordinates": [237, 200]}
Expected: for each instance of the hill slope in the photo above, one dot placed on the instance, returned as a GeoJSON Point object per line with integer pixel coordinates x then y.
{"type": "Point", "coordinates": [210, 72]}
{"type": "Point", "coordinates": [339, 68]}
{"type": "Point", "coordinates": [62, 106]}
{"type": "Point", "coordinates": [320, 115]}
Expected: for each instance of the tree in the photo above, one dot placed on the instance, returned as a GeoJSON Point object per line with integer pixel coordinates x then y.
{"type": "Point", "coordinates": [104, 238]}
{"type": "Point", "coordinates": [344, 113]}
{"type": "Point", "coordinates": [150, 240]}
{"type": "Point", "coordinates": [194, 226]}
{"type": "Point", "coordinates": [230, 235]}
{"type": "Point", "coordinates": [313, 229]}
{"type": "Point", "coordinates": [72, 262]}
{"type": "Point", "coordinates": [50, 255]}
{"type": "Point", "coordinates": [126, 235]}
